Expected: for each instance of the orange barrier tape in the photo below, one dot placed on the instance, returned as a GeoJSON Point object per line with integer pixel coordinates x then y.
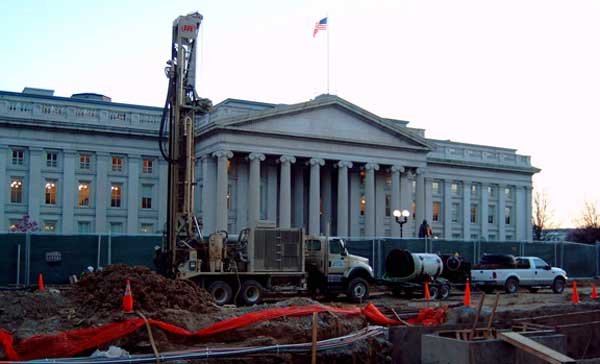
{"type": "Point", "coordinates": [71, 343]}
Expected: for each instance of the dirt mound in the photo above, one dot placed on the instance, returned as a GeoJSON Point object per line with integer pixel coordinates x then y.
{"type": "Point", "coordinates": [103, 291]}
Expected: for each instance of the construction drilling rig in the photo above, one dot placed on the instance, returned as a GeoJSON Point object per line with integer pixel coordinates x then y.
{"type": "Point", "coordinates": [183, 232]}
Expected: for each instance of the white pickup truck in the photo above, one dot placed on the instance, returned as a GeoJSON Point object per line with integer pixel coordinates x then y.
{"type": "Point", "coordinates": [530, 272]}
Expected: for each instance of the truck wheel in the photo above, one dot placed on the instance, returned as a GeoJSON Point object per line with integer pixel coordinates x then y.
{"type": "Point", "coordinates": [511, 285]}
{"type": "Point", "coordinates": [434, 292]}
{"type": "Point", "coordinates": [221, 292]}
{"type": "Point", "coordinates": [558, 286]}
{"type": "Point", "coordinates": [358, 290]}
{"type": "Point", "coordinates": [252, 293]}
{"type": "Point", "coordinates": [444, 292]}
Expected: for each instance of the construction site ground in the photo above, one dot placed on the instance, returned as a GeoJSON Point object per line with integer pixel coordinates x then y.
{"type": "Point", "coordinates": [96, 300]}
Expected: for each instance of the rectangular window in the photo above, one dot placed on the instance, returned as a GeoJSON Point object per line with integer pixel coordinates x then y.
{"type": "Point", "coordinates": [116, 228]}
{"type": "Point", "coordinates": [147, 196]}
{"type": "Point", "coordinates": [84, 227]}
{"type": "Point", "coordinates": [492, 237]}
{"type": "Point", "coordinates": [507, 215]}
{"type": "Point", "coordinates": [455, 236]}
{"type": "Point", "coordinates": [492, 191]}
{"type": "Point", "coordinates": [455, 212]}
{"type": "Point", "coordinates": [50, 191]}
{"type": "Point", "coordinates": [85, 161]}
{"type": "Point", "coordinates": [18, 157]}
{"type": "Point", "coordinates": [115, 195]}
{"type": "Point", "coordinates": [117, 164]}
{"type": "Point", "coordinates": [84, 194]}
{"type": "Point", "coordinates": [388, 205]}
{"type": "Point", "coordinates": [454, 188]}
{"type": "Point", "coordinates": [474, 213]}
{"type": "Point", "coordinates": [435, 187]}
{"type": "Point", "coordinates": [414, 186]}
{"type": "Point", "coordinates": [474, 190]}
{"type": "Point", "coordinates": [147, 166]}
{"type": "Point", "coordinates": [16, 190]}
{"type": "Point", "coordinates": [491, 214]}
{"type": "Point", "coordinates": [147, 228]}
{"type": "Point", "coordinates": [436, 211]}
{"type": "Point", "coordinates": [508, 193]}
{"type": "Point", "coordinates": [473, 236]}
{"type": "Point", "coordinates": [362, 205]}
{"type": "Point", "coordinates": [413, 208]}
{"type": "Point", "coordinates": [509, 237]}
{"type": "Point", "coordinates": [51, 159]}
{"type": "Point", "coordinates": [50, 226]}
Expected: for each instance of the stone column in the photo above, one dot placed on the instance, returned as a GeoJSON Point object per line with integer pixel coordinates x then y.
{"type": "Point", "coordinates": [396, 204]}
{"type": "Point", "coordinates": [370, 169]}
{"type": "Point", "coordinates": [285, 191]}
{"type": "Point", "coordinates": [4, 183]}
{"type": "Point", "coordinates": [36, 184]}
{"type": "Point", "coordinates": [501, 215]}
{"type": "Point", "coordinates": [420, 199]}
{"type": "Point", "coordinates": [342, 195]}
{"type": "Point", "coordinates": [208, 194]}
{"type": "Point", "coordinates": [528, 226]}
{"type": "Point", "coordinates": [254, 188]}
{"type": "Point", "coordinates": [102, 191]}
{"type": "Point", "coordinates": [447, 209]}
{"type": "Point", "coordinates": [466, 200]}
{"type": "Point", "coordinates": [163, 190]}
{"type": "Point", "coordinates": [222, 184]}
{"type": "Point", "coordinates": [484, 210]}
{"type": "Point", "coordinates": [314, 203]}
{"type": "Point", "coordinates": [520, 216]}
{"type": "Point", "coordinates": [69, 191]}
{"type": "Point", "coordinates": [133, 190]}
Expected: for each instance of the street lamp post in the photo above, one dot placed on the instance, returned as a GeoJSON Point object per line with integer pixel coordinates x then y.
{"type": "Point", "coordinates": [404, 214]}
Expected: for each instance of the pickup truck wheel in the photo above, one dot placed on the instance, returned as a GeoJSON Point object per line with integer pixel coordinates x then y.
{"type": "Point", "coordinates": [558, 286]}
{"type": "Point", "coordinates": [358, 290]}
{"type": "Point", "coordinates": [434, 292]}
{"type": "Point", "coordinates": [221, 292]}
{"type": "Point", "coordinates": [252, 293]}
{"type": "Point", "coordinates": [444, 292]}
{"type": "Point", "coordinates": [511, 285]}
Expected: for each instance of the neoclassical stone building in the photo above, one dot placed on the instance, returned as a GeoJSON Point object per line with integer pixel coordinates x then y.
{"type": "Point", "coordinates": [86, 164]}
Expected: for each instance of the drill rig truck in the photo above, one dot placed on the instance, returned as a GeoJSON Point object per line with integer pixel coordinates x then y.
{"type": "Point", "coordinates": [263, 258]}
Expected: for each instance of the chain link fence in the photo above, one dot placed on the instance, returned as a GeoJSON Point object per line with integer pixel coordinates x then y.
{"type": "Point", "coordinates": [24, 256]}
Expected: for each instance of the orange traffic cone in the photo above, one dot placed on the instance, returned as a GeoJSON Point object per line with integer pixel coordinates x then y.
{"type": "Point", "coordinates": [594, 292]}
{"type": "Point", "coordinates": [575, 295]}
{"type": "Point", "coordinates": [128, 299]}
{"type": "Point", "coordinates": [467, 297]}
{"type": "Point", "coordinates": [41, 283]}
{"type": "Point", "coordinates": [427, 294]}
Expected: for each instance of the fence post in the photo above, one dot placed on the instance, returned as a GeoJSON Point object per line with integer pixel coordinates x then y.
{"type": "Point", "coordinates": [109, 258]}
{"type": "Point", "coordinates": [380, 259]}
{"type": "Point", "coordinates": [98, 254]}
{"type": "Point", "coordinates": [27, 258]}
{"type": "Point", "coordinates": [18, 265]}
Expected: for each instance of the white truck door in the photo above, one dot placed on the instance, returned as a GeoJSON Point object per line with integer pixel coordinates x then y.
{"type": "Point", "coordinates": [543, 276]}
{"type": "Point", "coordinates": [525, 271]}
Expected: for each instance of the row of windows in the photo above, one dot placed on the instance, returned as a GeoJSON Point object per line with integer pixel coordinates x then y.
{"type": "Point", "coordinates": [84, 190]}
{"type": "Point", "coordinates": [455, 214]}
{"type": "Point", "coordinates": [85, 161]}
{"type": "Point", "coordinates": [456, 191]}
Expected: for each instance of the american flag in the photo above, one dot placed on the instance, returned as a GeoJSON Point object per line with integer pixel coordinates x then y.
{"type": "Point", "coordinates": [320, 25]}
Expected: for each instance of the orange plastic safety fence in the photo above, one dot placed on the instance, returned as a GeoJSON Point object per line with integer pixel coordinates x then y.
{"type": "Point", "coordinates": [71, 343]}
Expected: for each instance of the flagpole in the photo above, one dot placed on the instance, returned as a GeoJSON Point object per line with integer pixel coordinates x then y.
{"type": "Point", "coordinates": [328, 31]}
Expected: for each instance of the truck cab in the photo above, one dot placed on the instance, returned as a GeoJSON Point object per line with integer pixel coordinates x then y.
{"type": "Point", "coordinates": [332, 270]}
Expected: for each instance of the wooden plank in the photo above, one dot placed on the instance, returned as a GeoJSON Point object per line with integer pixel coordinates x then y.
{"type": "Point", "coordinates": [315, 326]}
{"type": "Point", "coordinates": [534, 348]}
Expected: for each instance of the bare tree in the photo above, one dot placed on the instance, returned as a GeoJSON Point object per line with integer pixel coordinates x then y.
{"type": "Point", "coordinates": [588, 225]}
{"type": "Point", "coordinates": [542, 214]}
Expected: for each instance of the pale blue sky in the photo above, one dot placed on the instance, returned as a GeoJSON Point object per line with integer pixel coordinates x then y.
{"type": "Point", "coordinates": [523, 74]}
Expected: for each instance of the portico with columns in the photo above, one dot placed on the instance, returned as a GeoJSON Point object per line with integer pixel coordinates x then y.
{"type": "Point", "coordinates": [329, 166]}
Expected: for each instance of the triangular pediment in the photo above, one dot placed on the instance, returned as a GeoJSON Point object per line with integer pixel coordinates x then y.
{"type": "Point", "coordinates": [329, 118]}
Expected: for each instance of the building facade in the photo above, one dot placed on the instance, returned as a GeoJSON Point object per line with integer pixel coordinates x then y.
{"type": "Point", "coordinates": [84, 164]}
